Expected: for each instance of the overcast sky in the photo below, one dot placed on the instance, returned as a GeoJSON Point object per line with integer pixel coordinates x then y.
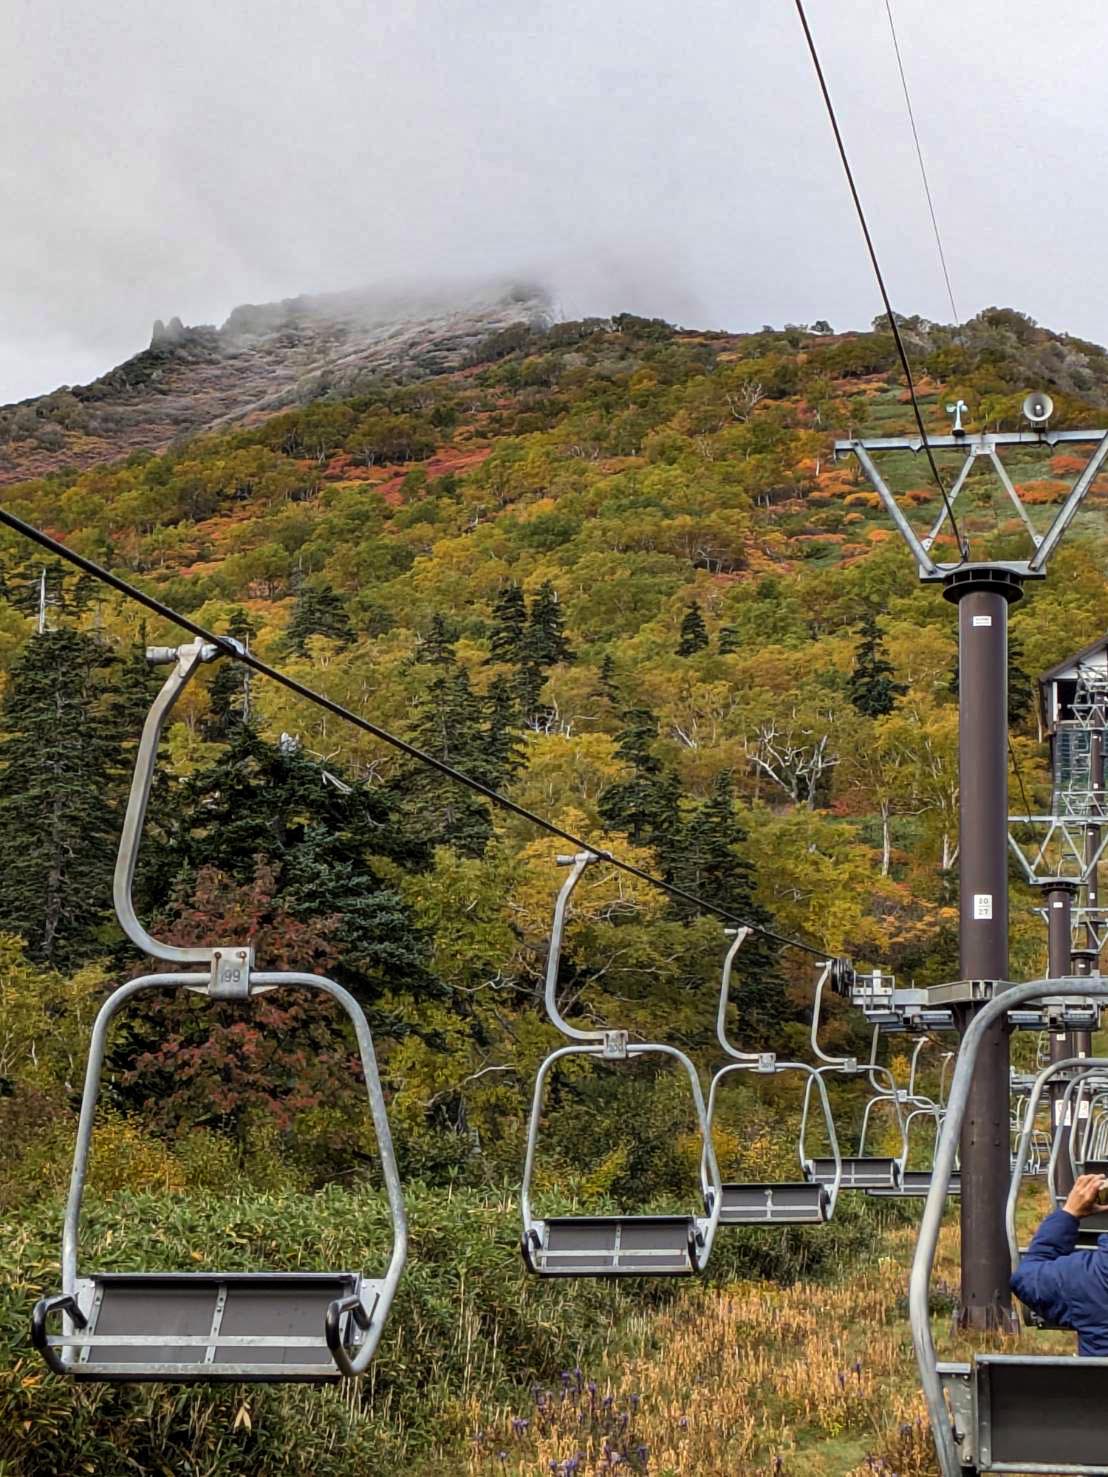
{"type": "Point", "coordinates": [163, 158]}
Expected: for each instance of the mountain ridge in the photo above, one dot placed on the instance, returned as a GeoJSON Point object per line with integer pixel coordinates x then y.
{"type": "Point", "coordinates": [264, 358]}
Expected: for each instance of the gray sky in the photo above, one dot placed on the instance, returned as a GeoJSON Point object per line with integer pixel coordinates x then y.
{"type": "Point", "coordinates": [671, 159]}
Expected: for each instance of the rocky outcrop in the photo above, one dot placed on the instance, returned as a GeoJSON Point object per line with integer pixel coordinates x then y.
{"type": "Point", "coordinates": [264, 358]}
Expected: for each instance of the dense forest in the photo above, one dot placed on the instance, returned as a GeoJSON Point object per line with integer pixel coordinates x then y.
{"type": "Point", "coordinates": [610, 568]}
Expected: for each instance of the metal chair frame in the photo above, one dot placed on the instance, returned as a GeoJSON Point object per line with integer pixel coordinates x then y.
{"type": "Point", "coordinates": [988, 1415]}
{"type": "Point", "coordinates": [769, 1202]}
{"type": "Point", "coordinates": [353, 1309]}
{"type": "Point", "coordinates": [856, 1171]}
{"type": "Point", "coordinates": [638, 1257]}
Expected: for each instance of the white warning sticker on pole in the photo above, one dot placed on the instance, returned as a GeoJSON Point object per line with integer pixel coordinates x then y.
{"type": "Point", "coordinates": [982, 905]}
{"type": "Point", "coordinates": [982, 620]}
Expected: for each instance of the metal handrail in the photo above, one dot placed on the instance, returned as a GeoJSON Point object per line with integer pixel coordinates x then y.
{"type": "Point", "coordinates": [919, 1288]}
{"type": "Point", "coordinates": [1034, 1098]}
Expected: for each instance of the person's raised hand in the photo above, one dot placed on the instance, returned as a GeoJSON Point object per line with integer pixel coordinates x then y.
{"type": "Point", "coordinates": [1082, 1199]}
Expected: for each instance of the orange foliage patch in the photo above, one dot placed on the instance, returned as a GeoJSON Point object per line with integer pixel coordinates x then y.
{"type": "Point", "coordinates": [1043, 491]}
{"type": "Point", "coordinates": [449, 459]}
{"type": "Point", "coordinates": [1064, 465]}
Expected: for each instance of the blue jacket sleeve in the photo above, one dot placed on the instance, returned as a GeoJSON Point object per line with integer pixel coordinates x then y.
{"type": "Point", "coordinates": [1041, 1279]}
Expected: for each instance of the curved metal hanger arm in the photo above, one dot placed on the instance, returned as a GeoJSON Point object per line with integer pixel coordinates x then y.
{"type": "Point", "coordinates": [578, 864]}
{"type": "Point", "coordinates": [185, 661]}
{"type": "Point", "coordinates": [740, 938]}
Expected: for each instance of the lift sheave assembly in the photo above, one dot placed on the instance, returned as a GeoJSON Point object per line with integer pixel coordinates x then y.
{"type": "Point", "coordinates": [611, 1245]}
{"type": "Point", "coordinates": [201, 1327]}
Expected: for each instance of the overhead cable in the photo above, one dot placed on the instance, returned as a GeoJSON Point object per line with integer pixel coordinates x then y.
{"type": "Point", "coordinates": [234, 649]}
{"type": "Point", "coordinates": [922, 166]}
{"type": "Point", "coordinates": [891, 316]}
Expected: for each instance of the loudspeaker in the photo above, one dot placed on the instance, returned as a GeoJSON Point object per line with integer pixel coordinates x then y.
{"type": "Point", "coordinates": [1038, 407]}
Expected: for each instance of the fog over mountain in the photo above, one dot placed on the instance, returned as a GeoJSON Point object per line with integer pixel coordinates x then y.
{"type": "Point", "coordinates": [166, 161]}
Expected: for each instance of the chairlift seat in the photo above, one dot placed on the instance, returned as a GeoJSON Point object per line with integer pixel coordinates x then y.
{"type": "Point", "coordinates": [614, 1246]}
{"type": "Point", "coordinates": [1091, 1228]}
{"type": "Point", "coordinates": [1093, 1166]}
{"type": "Point", "coordinates": [915, 1184]}
{"type": "Point", "coordinates": [207, 1327]}
{"type": "Point", "coordinates": [858, 1174]}
{"type": "Point", "coordinates": [804, 1203]}
{"type": "Point", "coordinates": [1031, 1413]}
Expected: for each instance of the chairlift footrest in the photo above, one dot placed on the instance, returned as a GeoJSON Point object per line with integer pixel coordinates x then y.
{"type": "Point", "coordinates": [614, 1246]}
{"type": "Point", "coordinates": [804, 1203]}
{"type": "Point", "coordinates": [915, 1184]}
{"type": "Point", "coordinates": [858, 1174]}
{"type": "Point", "coordinates": [205, 1327]}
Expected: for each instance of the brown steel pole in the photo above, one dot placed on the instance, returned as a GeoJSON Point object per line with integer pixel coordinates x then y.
{"type": "Point", "coordinates": [1059, 919]}
{"type": "Point", "coordinates": [982, 594]}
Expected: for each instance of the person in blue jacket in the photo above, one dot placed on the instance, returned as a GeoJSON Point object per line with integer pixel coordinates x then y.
{"type": "Point", "coordinates": [1062, 1284]}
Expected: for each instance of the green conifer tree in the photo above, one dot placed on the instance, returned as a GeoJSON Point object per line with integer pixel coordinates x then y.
{"type": "Point", "coordinates": [60, 781]}
{"type": "Point", "coordinates": [544, 642]}
{"type": "Point", "coordinates": [229, 694]}
{"type": "Point", "coordinates": [729, 640]}
{"type": "Point", "coordinates": [644, 805]}
{"type": "Point", "coordinates": [450, 726]}
{"type": "Point", "coordinates": [1021, 689]}
{"type": "Point", "coordinates": [694, 633]}
{"type": "Point", "coordinates": [606, 678]}
{"type": "Point", "coordinates": [437, 647]}
{"type": "Point", "coordinates": [503, 743]}
{"type": "Point", "coordinates": [871, 688]}
{"type": "Point", "coordinates": [318, 611]}
{"type": "Point", "coordinates": [509, 622]}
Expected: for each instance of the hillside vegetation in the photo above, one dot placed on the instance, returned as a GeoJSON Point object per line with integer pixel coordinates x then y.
{"type": "Point", "coordinates": [612, 568]}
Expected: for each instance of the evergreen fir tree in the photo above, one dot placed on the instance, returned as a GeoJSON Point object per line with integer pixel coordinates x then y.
{"type": "Point", "coordinates": [871, 688]}
{"type": "Point", "coordinates": [60, 780]}
{"type": "Point", "coordinates": [644, 805]}
{"type": "Point", "coordinates": [437, 647]}
{"type": "Point", "coordinates": [229, 693]}
{"type": "Point", "coordinates": [450, 726]}
{"type": "Point", "coordinates": [318, 611]}
{"type": "Point", "coordinates": [509, 622]}
{"type": "Point", "coordinates": [694, 633]}
{"type": "Point", "coordinates": [1021, 689]}
{"type": "Point", "coordinates": [544, 641]}
{"type": "Point", "coordinates": [503, 744]}
{"type": "Point", "coordinates": [729, 640]}
{"type": "Point", "coordinates": [269, 803]}
{"type": "Point", "coordinates": [606, 678]}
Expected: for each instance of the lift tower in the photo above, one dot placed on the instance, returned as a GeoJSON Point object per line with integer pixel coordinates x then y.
{"type": "Point", "coordinates": [982, 591]}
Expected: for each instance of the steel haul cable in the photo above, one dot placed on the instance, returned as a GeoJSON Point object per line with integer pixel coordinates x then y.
{"type": "Point", "coordinates": [233, 649]}
{"type": "Point", "coordinates": [919, 156]}
{"type": "Point", "coordinates": [900, 349]}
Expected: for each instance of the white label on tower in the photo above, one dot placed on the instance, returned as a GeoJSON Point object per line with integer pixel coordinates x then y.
{"type": "Point", "coordinates": [1056, 905]}
{"type": "Point", "coordinates": [982, 905]}
{"type": "Point", "coordinates": [982, 620]}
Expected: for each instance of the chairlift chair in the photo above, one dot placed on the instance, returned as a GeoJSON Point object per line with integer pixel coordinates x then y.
{"type": "Point", "coordinates": [914, 1183]}
{"type": "Point", "coordinates": [611, 1245]}
{"type": "Point", "coordinates": [205, 1327]}
{"type": "Point", "coordinates": [1003, 1412]}
{"type": "Point", "coordinates": [799, 1202]}
{"type": "Point", "coordinates": [1075, 1068]}
{"type": "Point", "coordinates": [857, 1171]}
